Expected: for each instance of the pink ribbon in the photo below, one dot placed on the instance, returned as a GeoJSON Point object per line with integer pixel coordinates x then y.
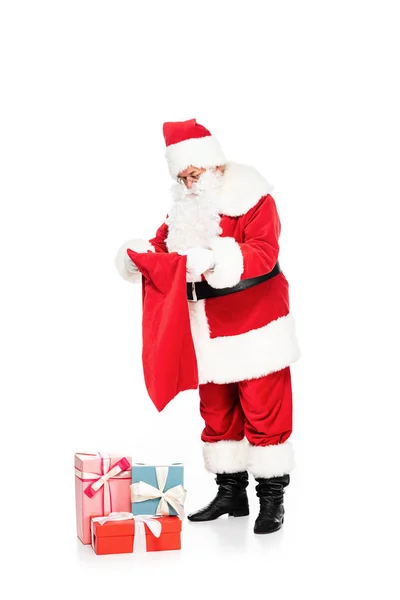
{"type": "Point", "coordinates": [102, 481]}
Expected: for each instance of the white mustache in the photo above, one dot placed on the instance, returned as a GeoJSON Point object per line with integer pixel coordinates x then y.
{"type": "Point", "coordinates": [208, 182]}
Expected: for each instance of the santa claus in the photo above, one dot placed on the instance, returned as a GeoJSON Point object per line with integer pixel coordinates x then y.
{"type": "Point", "coordinates": [224, 219]}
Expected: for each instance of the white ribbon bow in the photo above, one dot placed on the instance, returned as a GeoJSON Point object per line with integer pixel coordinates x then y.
{"type": "Point", "coordinates": [152, 522]}
{"type": "Point", "coordinates": [176, 496]}
{"type": "Point", "coordinates": [139, 539]}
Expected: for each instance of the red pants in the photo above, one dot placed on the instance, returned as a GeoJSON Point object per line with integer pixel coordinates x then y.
{"type": "Point", "coordinates": [257, 409]}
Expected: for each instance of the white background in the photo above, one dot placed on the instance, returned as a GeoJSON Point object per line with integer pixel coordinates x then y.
{"type": "Point", "coordinates": [308, 93]}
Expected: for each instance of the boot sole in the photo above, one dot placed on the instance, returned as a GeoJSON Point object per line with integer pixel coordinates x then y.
{"type": "Point", "coordinates": [236, 513]}
{"type": "Point", "coordinates": [194, 520]}
{"type": "Point", "coordinates": [239, 513]}
{"type": "Point", "coordinates": [270, 531]}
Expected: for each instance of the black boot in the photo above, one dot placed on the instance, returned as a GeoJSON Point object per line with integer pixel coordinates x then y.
{"type": "Point", "coordinates": [270, 491]}
{"type": "Point", "coordinates": [231, 498]}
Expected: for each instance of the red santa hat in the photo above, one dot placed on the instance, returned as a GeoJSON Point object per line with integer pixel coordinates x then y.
{"type": "Point", "coordinates": [189, 143]}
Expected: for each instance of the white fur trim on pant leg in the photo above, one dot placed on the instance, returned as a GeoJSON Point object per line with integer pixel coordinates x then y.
{"type": "Point", "coordinates": [229, 264]}
{"type": "Point", "coordinates": [136, 245]}
{"type": "Point", "coordinates": [201, 152]}
{"type": "Point", "coordinates": [271, 461]}
{"type": "Point", "coordinates": [226, 456]}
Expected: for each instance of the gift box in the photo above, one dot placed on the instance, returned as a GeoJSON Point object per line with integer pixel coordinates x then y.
{"type": "Point", "coordinates": [122, 533]}
{"type": "Point", "coordinates": [101, 486]}
{"type": "Point", "coordinates": [158, 490]}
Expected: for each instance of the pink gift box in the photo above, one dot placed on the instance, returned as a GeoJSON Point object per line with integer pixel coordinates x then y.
{"type": "Point", "coordinates": [102, 485]}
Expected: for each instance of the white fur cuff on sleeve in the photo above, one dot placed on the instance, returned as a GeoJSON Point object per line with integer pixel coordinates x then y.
{"type": "Point", "coordinates": [228, 263]}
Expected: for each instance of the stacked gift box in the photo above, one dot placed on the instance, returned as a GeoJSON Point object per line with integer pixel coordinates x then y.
{"type": "Point", "coordinates": [123, 507]}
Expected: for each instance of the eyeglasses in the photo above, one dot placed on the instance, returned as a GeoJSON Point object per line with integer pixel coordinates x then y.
{"type": "Point", "coordinates": [192, 178]}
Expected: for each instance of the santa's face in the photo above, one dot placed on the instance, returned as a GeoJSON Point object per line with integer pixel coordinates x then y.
{"type": "Point", "coordinates": [193, 219]}
{"type": "Point", "coordinates": [190, 176]}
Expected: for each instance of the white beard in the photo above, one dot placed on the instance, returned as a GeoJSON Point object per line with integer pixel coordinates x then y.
{"type": "Point", "coordinates": [194, 218]}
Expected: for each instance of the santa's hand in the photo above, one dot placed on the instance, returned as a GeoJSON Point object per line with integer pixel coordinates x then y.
{"type": "Point", "coordinates": [198, 260]}
{"type": "Point", "coordinates": [130, 265]}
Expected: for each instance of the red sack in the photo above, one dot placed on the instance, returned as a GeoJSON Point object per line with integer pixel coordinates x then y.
{"type": "Point", "coordinates": [169, 358]}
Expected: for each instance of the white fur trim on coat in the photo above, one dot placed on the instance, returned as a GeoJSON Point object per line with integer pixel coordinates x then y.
{"type": "Point", "coordinates": [271, 461]}
{"type": "Point", "coordinates": [226, 456]}
{"type": "Point", "coordinates": [201, 152]}
{"type": "Point", "coordinates": [246, 356]}
{"type": "Point", "coordinates": [136, 245]}
{"type": "Point", "coordinates": [243, 186]}
{"type": "Point", "coordinates": [228, 266]}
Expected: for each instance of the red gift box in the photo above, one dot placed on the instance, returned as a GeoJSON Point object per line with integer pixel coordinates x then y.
{"type": "Point", "coordinates": [120, 533]}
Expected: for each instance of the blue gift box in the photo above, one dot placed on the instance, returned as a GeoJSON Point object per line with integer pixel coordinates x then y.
{"type": "Point", "coordinates": [148, 475]}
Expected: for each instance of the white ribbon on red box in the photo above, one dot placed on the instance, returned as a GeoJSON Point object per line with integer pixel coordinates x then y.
{"type": "Point", "coordinates": [175, 496]}
{"type": "Point", "coordinates": [139, 539]}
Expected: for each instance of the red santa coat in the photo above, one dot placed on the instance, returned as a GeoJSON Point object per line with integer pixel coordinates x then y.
{"type": "Point", "coordinates": [250, 333]}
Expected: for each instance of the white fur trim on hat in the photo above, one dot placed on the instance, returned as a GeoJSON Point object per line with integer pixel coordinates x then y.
{"type": "Point", "coordinates": [226, 456]}
{"type": "Point", "coordinates": [271, 461]}
{"type": "Point", "coordinates": [201, 152]}
{"type": "Point", "coordinates": [136, 245]}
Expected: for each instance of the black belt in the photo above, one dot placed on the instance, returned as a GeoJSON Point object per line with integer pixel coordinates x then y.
{"type": "Point", "coordinates": [200, 290]}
